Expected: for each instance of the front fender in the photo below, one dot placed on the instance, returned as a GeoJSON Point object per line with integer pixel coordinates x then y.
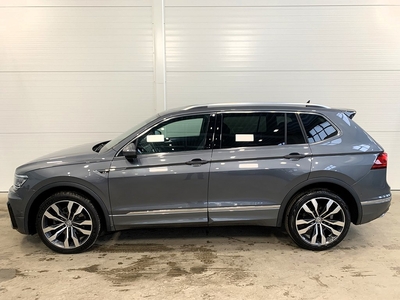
{"type": "Point", "coordinates": [59, 183]}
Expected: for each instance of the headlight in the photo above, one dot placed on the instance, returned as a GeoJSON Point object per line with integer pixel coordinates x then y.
{"type": "Point", "coordinates": [19, 180]}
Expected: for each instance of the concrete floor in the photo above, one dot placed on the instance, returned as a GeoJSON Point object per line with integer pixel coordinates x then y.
{"type": "Point", "coordinates": [205, 263]}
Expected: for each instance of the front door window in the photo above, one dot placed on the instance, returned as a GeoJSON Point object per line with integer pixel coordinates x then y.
{"type": "Point", "coordinates": [181, 134]}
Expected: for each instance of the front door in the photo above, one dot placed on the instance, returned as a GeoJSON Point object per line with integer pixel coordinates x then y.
{"type": "Point", "coordinates": [168, 181]}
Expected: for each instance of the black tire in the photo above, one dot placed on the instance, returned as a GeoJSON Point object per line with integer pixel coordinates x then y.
{"type": "Point", "coordinates": [317, 220]}
{"type": "Point", "coordinates": [68, 223]}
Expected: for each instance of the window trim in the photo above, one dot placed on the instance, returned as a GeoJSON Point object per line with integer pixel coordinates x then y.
{"type": "Point", "coordinates": [303, 132]}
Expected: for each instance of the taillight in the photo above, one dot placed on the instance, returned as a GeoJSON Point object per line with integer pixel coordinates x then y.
{"type": "Point", "coordinates": [381, 161]}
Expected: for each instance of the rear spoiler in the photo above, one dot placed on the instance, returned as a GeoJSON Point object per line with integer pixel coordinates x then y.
{"type": "Point", "coordinates": [350, 113]}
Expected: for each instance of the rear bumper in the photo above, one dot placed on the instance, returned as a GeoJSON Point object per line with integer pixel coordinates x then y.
{"type": "Point", "coordinates": [375, 208]}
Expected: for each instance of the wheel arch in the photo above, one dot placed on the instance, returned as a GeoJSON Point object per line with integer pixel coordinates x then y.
{"type": "Point", "coordinates": [336, 186]}
{"type": "Point", "coordinates": [45, 192]}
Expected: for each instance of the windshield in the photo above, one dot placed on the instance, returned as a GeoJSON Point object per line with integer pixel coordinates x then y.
{"type": "Point", "coordinates": [122, 136]}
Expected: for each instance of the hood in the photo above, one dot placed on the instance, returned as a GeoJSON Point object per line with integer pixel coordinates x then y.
{"type": "Point", "coordinates": [78, 154]}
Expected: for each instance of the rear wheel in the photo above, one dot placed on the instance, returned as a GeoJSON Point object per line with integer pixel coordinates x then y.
{"type": "Point", "coordinates": [318, 220]}
{"type": "Point", "coordinates": [68, 223]}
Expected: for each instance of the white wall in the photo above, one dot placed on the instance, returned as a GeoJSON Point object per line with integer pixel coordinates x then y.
{"type": "Point", "coordinates": [71, 72]}
{"type": "Point", "coordinates": [77, 71]}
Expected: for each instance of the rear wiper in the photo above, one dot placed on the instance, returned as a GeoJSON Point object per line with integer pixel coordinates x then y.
{"type": "Point", "coordinates": [350, 113]}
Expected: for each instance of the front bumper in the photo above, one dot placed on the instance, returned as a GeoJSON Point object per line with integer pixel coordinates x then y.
{"type": "Point", "coordinates": [16, 209]}
{"type": "Point", "coordinates": [375, 208]}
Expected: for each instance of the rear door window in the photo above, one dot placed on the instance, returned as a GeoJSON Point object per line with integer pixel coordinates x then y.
{"type": "Point", "coordinates": [253, 129]}
{"type": "Point", "coordinates": [260, 129]}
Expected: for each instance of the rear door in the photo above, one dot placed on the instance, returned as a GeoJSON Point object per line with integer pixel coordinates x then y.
{"type": "Point", "coordinates": [258, 157]}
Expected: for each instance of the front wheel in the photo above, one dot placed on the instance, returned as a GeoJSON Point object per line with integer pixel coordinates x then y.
{"type": "Point", "coordinates": [67, 223]}
{"type": "Point", "coordinates": [318, 220]}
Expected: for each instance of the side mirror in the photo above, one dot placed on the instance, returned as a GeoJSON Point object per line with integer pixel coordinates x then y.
{"type": "Point", "coordinates": [129, 151]}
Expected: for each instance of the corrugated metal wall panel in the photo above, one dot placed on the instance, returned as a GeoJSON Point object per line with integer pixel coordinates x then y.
{"type": "Point", "coordinates": [70, 75]}
{"type": "Point", "coordinates": [76, 39]}
{"type": "Point", "coordinates": [345, 54]}
{"type": "Point", "coordinates": [282, 38]}
{"type": "Point", "coordinates": [45, 102]}
{"type": "Point", "coordinates": [265, 3]}
{"type": "Point", "coordinates": [91, 3]}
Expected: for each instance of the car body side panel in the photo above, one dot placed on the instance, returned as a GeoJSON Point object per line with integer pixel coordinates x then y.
{"type": "Point", "coordinates": [333, 178]}
{"type": "Point", "coordinates": [348, 157]}
{"type": "Point", "coordinates": [375, 195]}
{"type": "Point", "coordinates": [248, 184]}
{"type": "Point", "coordinates": [159, 188]}
{"type": "Point", "coordinates": [372, 186]}
{"type": "Point", "coordinates": [353, 172]}
{"type": "Point", "coordinates": [349, 167]}
{"type": "Point", "coordinates": [351, 138]}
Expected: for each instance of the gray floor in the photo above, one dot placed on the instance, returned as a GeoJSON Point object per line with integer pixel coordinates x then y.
{"type": "Point", "coordinates": [205, 263]}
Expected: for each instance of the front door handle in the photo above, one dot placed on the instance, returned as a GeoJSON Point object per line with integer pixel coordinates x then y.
{"type": "Point", "coordinates": [294, 155]}
{"type": "Point", "coordinates": [196, 161]}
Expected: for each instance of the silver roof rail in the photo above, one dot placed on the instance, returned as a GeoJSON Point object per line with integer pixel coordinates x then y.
{"type": "Point", "coordinates": [253, 104]}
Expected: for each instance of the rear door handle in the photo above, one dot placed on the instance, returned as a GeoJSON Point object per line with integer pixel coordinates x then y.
{"type": "Point", "coordinates": [294, 155]}
{"type": "Point", "coordinates": [196, 161]}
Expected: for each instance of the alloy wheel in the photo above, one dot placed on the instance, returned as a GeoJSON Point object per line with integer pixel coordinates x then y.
{"type": "Point", "coordinates": [67, 224]}
{"type": "Point", "coordinates": [320, 221]}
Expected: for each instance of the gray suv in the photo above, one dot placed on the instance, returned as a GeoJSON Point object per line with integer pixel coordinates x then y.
{"type": "Point", "coordinates": [308, 168]}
